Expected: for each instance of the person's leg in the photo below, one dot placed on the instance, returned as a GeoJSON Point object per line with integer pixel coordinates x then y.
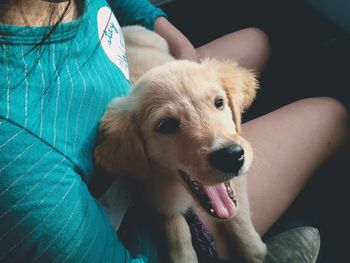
{"type": "Point", "coordinates": [248, 47]}
{"type": "Point", "coordinates": [290, 144]}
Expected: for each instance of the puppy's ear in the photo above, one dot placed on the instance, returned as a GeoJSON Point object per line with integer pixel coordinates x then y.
{"type": "Point", "coordinates": [240, 85]}
{"type": "Point", "coordinates": [120, 148]}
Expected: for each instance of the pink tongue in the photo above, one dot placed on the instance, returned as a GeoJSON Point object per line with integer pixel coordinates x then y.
{"type": "Point", "coordinates": [222, 204]}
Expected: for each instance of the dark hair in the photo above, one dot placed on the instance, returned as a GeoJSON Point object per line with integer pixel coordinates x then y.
{"type": "Point", "coordinates": [56, 23]}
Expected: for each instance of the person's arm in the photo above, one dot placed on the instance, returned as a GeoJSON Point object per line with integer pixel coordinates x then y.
{"type": "Point", "coordinates": [142, 12]}
{"type": "Point", "coordinates": [47, 213]}
{"type": "Point", "coordinates": [180, 46]}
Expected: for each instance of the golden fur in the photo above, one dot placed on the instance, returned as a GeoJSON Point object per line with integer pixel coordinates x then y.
{"type": "Point", "coordinates": [130, 146]}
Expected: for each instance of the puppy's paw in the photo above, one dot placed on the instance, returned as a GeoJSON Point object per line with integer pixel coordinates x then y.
{"type": "Point", "coordinates": [257, 253]}
{"type": "Point", "coordinates": [184, 256]}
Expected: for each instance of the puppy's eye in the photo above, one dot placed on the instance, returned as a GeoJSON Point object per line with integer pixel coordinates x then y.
{"type": "Point", "coordinates": [167, 126]}
{"type": "Point", "coordinates": [219, 103]}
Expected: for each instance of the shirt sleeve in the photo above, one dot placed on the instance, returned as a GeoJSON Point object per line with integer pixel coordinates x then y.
{"type": "Point", "coordinates": [132, 12]}
{"type": "Point", "coordinates": [46, 211]}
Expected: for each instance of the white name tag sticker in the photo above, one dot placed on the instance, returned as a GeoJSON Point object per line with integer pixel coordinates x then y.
{"type": "Point", "coordinates": [112, 40]}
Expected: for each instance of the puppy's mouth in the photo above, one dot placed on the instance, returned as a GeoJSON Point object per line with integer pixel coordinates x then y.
{"type": "Point", "coordinates": [218, 200]}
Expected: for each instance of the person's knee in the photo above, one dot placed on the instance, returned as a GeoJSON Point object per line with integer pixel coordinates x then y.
{"type": "Point", "coordinates": [259, 36]}
{"type": "Point", "coordinates": [333, 109]}
{"type": "Point", "coordinates": [333, 115]}
{"type": "Point", "coordinates": [259, 47]}
{"type": "Point", "coordinates": [338, 116]}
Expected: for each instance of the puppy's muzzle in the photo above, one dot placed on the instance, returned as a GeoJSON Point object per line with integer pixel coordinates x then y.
{"type": "Point", "coordinates": [229, 159]}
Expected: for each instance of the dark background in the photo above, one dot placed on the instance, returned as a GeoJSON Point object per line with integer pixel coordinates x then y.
{"type": "Point", "coordinates": [309, 57]}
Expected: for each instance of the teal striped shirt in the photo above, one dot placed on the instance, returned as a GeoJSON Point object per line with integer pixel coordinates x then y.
{"type": "Point", "coordinates": [52, 98]}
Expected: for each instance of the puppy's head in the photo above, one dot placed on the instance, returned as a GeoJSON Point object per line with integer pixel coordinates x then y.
{"type": "Point", "coordinates": [183, 118]}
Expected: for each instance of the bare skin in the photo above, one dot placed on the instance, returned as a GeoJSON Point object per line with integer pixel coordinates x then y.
{"type": "Point", "coordinates": [249, 47]}
{"type": "Point", "coordinates": [287, 152]}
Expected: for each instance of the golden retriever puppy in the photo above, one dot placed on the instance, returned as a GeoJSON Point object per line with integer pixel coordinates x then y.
{"type": "Point", "coordinates": [180, 130]}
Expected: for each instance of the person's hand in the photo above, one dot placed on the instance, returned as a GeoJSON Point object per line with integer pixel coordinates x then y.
{"type": "Point", "coordinates": [180, 47]}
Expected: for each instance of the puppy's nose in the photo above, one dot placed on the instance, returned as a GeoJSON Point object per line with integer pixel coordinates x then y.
{"type": "Point", "coordinates": [229, 159]}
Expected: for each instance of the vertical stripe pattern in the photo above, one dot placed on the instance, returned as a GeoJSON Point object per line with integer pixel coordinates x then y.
{"type": "Point", "coordinates": [42, 97]}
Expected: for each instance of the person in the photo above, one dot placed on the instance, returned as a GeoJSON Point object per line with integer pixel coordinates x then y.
{"type": "Point", "coordinates": [61, 62]}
